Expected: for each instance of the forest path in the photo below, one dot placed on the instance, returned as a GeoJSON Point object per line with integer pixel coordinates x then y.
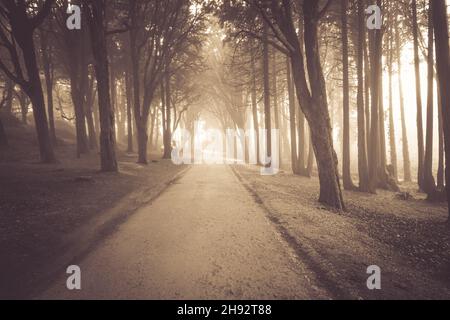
{"type": "Point", "coordinates": [205, 237]}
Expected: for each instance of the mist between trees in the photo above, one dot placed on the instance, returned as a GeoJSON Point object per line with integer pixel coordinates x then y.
{"type": "Point", "coordinates": [361, 108]}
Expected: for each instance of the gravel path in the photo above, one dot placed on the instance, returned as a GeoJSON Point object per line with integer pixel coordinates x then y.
{"type": "Point", "coordinates": [205, 237]}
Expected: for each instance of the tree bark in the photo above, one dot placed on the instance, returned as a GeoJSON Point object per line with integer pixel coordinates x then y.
{"type": "Point", "coordinates": [167, 135]}
{"type": "Point", "coordinates": [440, 171]}
{"type": "Point", "coordinates": [362, 146]}
{"type": "Point", "coordinates": [420, 146]}
{"type": "Point", "coordinates": [129, 116]}
{"type": "Point", "coordinates": [392, 142]}
{"type": "Point", "coordinates": [429, 183]}
{"type": "Point", "coordinates": [267, 111]}
{"type": "Point", "coordinates": [405, 144]}
{"type": "Point", "coordinates": [48, 74]}
{"type": "Point", "coordinates": [375, 44]}
{"type": "Point", "coordinates": [346, 174]}
{"type": "Point", "coordinates": [255, 106]}
{"type": "Point", "coordinates": [97, 26]}
{"type": "Point", "coordinates": [292, 107]}
{"type": "Point", "coordinates": [439, 16]}
{"type": "Point", "coordinates": [90, 115]}
{"type": "Point", "coordinates": [315, 108]}
{"type": "Point", "coordinates": [36, 95]}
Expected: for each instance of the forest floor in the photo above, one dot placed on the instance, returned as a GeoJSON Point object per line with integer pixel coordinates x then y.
{"type": "Point", "coordinates": [49, 213]}
{"type": "Point", "coordinates": [408, 239]}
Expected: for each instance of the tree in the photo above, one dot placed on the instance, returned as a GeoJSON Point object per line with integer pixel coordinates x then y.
{"type": "Point", "coordinates": [267, 113]}
{"type": "Point", "coordinates": [429, 183]}
{"type": "Point", "coordinates": [440, 25]}
{"type": "Point", "coordinates": [95, 10]}
{"type": "Point", "coordinates": [346, 174]}
{"type": "Point", "coordinates": [157, 32]}
{"type": "Point", "coordinates": [405, 145]}
{"type": "Point", "coordinates": [362, 146]}
{"type": "Point", "coordinates": [312, 98]}
{"type": "Point", "coordinates": [19, 21]}
{"type": "Point", "coordinates": [392, 141]}
{"type": "Point", "coordinates": [73, 45]}
{"type": "Point", "coordinates": [375, 44]}
{"type": "Point", "coordinates": [47, 53]}
{"type": "Point", "coordinates": [420, 154]}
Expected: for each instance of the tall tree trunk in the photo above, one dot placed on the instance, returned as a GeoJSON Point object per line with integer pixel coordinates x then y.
{"type": "Point", "coordinates": [292, 108]}
{"type": "Point", "coordinates": [267, 114]}
{"type": "Point", "coordinates": [90, 115]}
{"type": "Point", "coordinates": [129, 116]}
{"type": "Point", "coordinates": [429, 183]}
{"type": "Point", "coordinates": [346, 174]}
{"type": "Point", "coordinates": [276, 111]}
{"type": "Point", "coordinates": [310, 163]}
{"type": "Point", "coordinates": [420, 146]}
{"type": "Point", "coordinates": [97, 26]}
{"type": "Point", "coordinates": [440, 171]}
{"type": "Point", "coordinates": [375, 44]}
{"type": "Point", "coordinates": [301, 132]}
{"type": "Point", "coordinates": [440, 24]}
{"type": "Point", "coordinates": [315, 107]}
{"type": "Point", "coordinates": [392, 142]}
{"type": "Point", "coordinates": [405, 144]}
{"type": "Point", "coordinates": [367, 79]}
{"type": "Point", "coordinates": [140, 119]}
{"type": "Point", "coordinates": [23, 102]}
{"type": "Point", "coordinates": [152, 128]}
{"type": "Point", "coordinates": [362, 140]}
{"type": "Point", "coordinates": [167, 135]}
{"type": "Point", "coordinates": [255, 106]}
{"type": "Point", "coordinates": [36, 95]}
{"type": "Point", "coordinates": [157, 123]}
{"type": "Point", "coordinates": [48, 74]}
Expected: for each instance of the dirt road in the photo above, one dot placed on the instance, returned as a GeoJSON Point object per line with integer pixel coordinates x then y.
{"type": "Point", "coordinates": [204, 238]}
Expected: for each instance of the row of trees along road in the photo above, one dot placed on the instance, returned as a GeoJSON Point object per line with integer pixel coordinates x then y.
{"type": "Point", "coordinates": [136, 68]}
{"type": "Point", "coordinates": [305, 32]}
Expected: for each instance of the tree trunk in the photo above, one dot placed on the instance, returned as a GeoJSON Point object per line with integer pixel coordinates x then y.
{"type": "Point", "coordinates": [310, 164]}
{"type": "Point", "coordinates": [255, 107]}
{"type": "Point", "coordinates": [48, 74]}
{"type": "Point", "coordinates": [362, 147]}
{"type": "Point", "coordinates": [367, 89]}
{"type": "Point", "coordinates": [292, 108]}
{"type": "Point", "coordinates": [375, 44]}
{"type": "Point", "coordinates": [23, 102]}
{"type": "Point", "coordinates": [152, 128]}
{"type": "Point", "coordinates": [346, 174]}
{"type": "Point", "coordinates": [429, 183]}
{"type": "Point", "coordinates": [392, 142]}
{"type": "Point", "coordinates": [129, 116]}
{"type": "Point", "coordinates": [167, 135]}
{"type": "Point", "coordinates": [90, 116]}
{"type": "Point", "coordinates": [97, 28]}
{"type": "Point", "coordinates": [405, 144]}
{"type": "Point", "coordinates": [276, 111]}
{"type": "Point", "coordinates": [157, 122]}
{"type": "Point", "coordinates": [267, 115]}
{"type": "Point", "coordinates": [36, 95]}
{"type": "Point", "coordinates": [440, 24]}
{"type": "Point", "coordinates": [315, 108]}
{"type": "Point", "coordinates": [420, 146]}
{"type": "Point", "coordinates": [440, 171]}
